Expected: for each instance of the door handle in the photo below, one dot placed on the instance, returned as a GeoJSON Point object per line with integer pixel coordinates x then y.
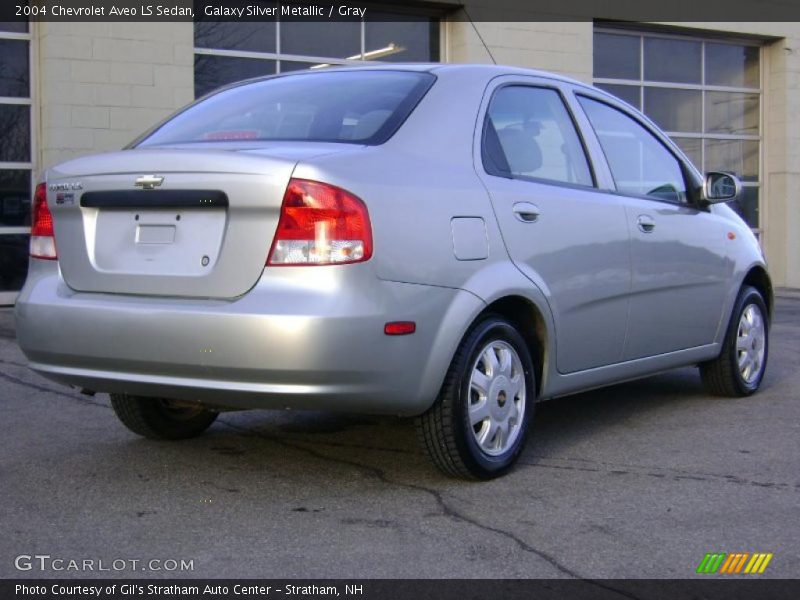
{"type": "Point", "coordinates": [646, 223]}
{"type": "Point", "coordinates": [526, 212]}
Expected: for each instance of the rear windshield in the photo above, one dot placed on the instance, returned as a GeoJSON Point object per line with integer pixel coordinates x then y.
{"type": "Point", "coordinates": [363, 107]}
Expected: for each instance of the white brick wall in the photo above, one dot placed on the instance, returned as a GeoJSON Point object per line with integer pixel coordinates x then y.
{"type": "Point", "coordinates": [102, 84]}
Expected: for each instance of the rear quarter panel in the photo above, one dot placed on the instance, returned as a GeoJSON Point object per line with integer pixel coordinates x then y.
{"type": "Point", "coordinates": [416, 183]}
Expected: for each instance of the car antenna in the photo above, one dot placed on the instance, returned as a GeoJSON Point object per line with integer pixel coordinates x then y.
{"type": "Point", "coordinates": [480, 37]}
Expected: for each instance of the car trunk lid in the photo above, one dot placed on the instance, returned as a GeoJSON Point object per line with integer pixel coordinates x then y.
{"type": "Point", "coordinates": [171, 221]}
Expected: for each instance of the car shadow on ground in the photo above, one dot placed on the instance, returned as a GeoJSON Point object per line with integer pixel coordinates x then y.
{"type": "Point", "coordinates": [290, 441]}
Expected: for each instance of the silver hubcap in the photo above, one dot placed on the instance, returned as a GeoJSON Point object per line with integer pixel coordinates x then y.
{"type": "Point", "coordinates": [751, 341]}
{"type": "Point", "coordinates": [496, 397]}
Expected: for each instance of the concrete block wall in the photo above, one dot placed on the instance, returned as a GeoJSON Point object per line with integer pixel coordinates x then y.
{"type": "Point", "coordinates": [564, 48]}
{"type": "Point", "coordinates": [102, 84]}
{"type": "Point", "coordinates": [782, 159]}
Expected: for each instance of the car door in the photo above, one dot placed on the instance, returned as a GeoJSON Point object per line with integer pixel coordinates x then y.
{"type": "Point", "coordinates": [569, 237]}
{"type": "Point", "coordinates": [681, 273]}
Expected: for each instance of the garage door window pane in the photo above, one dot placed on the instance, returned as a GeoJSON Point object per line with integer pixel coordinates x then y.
{"type": "Point", "coordinates": [211, 72]}
{"type": "Point", "coordinates": [692, 148]}
{"type": "Point", "coordinates": [669, 60]}
{"type": "Point", "coordinates": [415, 39]}
{"type": "Point", "coordinates": [289, 65]}
{"type": "Point", "coordinates": [675, 110]}
{"type": "Point", "coordinates": [14, 26]}
{"type": "Point", "coordinates": [13, 261]}
{"type": "Point", "coordinates": [747, 206]}
{"type": "Point", "coordinates": [739, 156]}
{"type": "Point", "coordinates": [15, 198]}
{"type": "Point", "coordinates": [340, 40]}
{"type": "Point", "coordinates": [240, 35]}
{"type": "Point", "coordinates": [732, 113]}
{"type": "Point", "coordinates": [628, 93]}
{"type": "Point", "coordinates": [731, 65]}
{"type": "Point", "coordinates": [14, 71]}
{"type": "Point", "coordinates": [15, 133]}
{"type": "Point", "coordinates": [616, 56]}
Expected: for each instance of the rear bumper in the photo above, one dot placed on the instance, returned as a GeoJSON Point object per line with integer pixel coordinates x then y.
{"type": "Point", "coordinates": [301, 338]}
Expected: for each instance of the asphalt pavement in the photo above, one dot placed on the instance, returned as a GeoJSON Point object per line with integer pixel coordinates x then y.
{"type": "Point", "coordinates": [637, 480]}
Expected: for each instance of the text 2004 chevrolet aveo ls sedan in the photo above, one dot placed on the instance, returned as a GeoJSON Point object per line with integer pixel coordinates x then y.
{"type": "Point", "coordinates": [447, 242]}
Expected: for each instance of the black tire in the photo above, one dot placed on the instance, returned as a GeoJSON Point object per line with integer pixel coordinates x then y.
{"type": "Point", "coordinates": [722, 376]}
{"type": "Point", "coordinates": [159, 419]}
{"type": "Point", "coordinates": [445, 431]}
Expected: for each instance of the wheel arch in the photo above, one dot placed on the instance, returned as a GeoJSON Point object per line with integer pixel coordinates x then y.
{"type": "Point", "coordinates": [528, 319]}
{"type": "Point", "coordinates": [499, 288]}
{"type": "Point", "coordinates": [758, 278]}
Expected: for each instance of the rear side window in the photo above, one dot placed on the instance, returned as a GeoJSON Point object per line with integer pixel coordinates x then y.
{"type": "Point", "coordinates": [528, 133]}
{"type": "Point", "coordinates": [640, 164]}
{"type": "Point", "coordinates": [364, 107]}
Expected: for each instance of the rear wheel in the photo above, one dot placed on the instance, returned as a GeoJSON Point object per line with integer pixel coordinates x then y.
{"type": "Point", "coordinates": [477, 427]}
{"type": "Point", "coordinates": [740, 367]}
{"type": "Point", "coordinates": [162, 419]}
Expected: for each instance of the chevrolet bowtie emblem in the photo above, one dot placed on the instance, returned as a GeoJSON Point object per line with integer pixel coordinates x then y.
{"type": "Point", "coordinates": [148, 182]}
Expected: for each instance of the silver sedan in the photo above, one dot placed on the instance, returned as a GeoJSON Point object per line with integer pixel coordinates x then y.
{"type": "Point", "coordinates": [448, 242]}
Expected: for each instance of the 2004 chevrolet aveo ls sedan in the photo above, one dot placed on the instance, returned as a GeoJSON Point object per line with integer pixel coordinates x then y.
{"type": "Point", "coordinates": [448, 242]}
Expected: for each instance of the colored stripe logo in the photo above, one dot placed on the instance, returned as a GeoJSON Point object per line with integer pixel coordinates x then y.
{"type": "Point", "coordinates": [734, 563]}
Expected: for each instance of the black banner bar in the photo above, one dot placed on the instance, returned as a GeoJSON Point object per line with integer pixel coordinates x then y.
{"type": "Point", "coordinates": [733, 588]}
{"type": "Point", "coordinates": [399, 10]}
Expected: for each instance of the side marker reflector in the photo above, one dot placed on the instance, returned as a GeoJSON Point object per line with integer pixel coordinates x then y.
{"type": "Point", "coordinates": [400, 328]}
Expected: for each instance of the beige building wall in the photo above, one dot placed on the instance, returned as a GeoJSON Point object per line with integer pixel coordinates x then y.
{"type": "Point", "coordinates": [102, 84]}
{"type": "Point", "coordinates": [564, 48]}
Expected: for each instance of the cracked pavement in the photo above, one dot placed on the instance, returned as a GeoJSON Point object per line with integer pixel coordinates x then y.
{"type": "Point", "coordinates": [635, 480]}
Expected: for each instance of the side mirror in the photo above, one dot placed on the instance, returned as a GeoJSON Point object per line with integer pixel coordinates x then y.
{"type": "Point", "coordinates": [721, 187]}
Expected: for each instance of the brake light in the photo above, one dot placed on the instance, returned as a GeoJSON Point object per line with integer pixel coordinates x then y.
{"type": "Point", "coordinates": [320, 224]}
{"type": "Point", "coordinates": [43, 242]}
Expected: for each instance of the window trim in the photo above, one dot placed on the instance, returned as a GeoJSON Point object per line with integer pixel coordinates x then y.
{"type": "Point", "coordinates": [581, 139]}
{"type": "Point", "coordinates": [686, 170]}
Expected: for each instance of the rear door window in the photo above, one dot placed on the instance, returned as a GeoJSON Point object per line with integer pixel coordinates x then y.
{"type": "Point", "coordinates": [529, 134]}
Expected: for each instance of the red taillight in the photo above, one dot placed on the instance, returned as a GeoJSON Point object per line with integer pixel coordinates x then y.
{"type": "Point", "coordinates": [320, 224]}
{"type": "Point", "coordinates": [43, 243]}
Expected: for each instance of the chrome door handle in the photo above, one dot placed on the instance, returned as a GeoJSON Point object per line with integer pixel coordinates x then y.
{"type": "Point", "coordinates": [526, 212]}
{"type": "Point", "coordinates": [646, 224]}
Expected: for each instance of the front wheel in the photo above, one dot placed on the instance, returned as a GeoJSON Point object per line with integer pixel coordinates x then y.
{"type": "Point", "coordinates": [477, 427]}
{"type": "Point", "coordinates": [161, 419]}
{"type": "Point", "coordinates": [740, 367]}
